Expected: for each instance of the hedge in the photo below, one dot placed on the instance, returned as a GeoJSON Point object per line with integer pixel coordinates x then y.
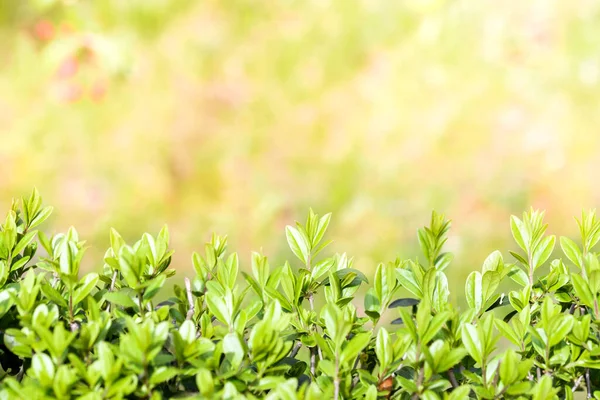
{"type": "Point", "coordinates": [297, 331]}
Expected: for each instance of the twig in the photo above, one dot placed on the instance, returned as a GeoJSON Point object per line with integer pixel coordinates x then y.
{"type": "Point", "coordinates": [588, 383]}
{"type": "Point", "coordinates": [296, 349]}
{"type": "Point", "coordinates": [313, 361]}
{"type": "Point", "coordinates": [453, 380]}
{"type": "Point", "coordinates": [54, 280]}
{"type": "Point", "coordinates": [577, 383]}
{"type": "Point", "coordinates": [113, 281]}
{"type": "Point", "coordinates": [190, 298]}
{"type": "Point", "coordinates": [421, 373]}
{"type": "Point", "coordinates": [336, 380]}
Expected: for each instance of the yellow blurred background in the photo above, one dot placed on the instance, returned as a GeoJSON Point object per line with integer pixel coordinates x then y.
{"type": "Point", "coordinates": [235, 116]}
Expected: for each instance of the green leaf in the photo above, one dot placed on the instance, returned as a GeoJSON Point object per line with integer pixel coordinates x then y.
{"type": "Point", "coordinates": [518, 275]}
{"type": "Point", "coordinates": [154, 286]}
{"type": "Point", "coordinates": [19, 264]}
{"type": "Point", "coordinates": [298, 243]}
{"type": "Point", "coordinates": [409, 281]}
{"type": "Point", "coordinates": [460, 393]}
{"type": "Point", "coordinates": [384, 282]}
{"type": "Point", "coordinates": [544, 250]}
{"type": "Point", "coordinates": [507, 332]}
{"type": "Point", "coordinates": [560, 328]}
{"type": "Point", "coordinates": [508, 370]}
{"type": "Point", "coordinates": [472, 342]}
{"type": "Point", "coordinates": [322, 268]}
{"type": "Point", "coordinates": [489, 284]}
{"type": "Point", "coordinates": [42, 369]}
{"type": "Point", "coordinates": [187, 330]}
{"type": "Point", "coordinates": [204, 381]}
{"type": "Point", "coordinates": [520, 258]}
{"type": "Point", "coordinates": [582, 290]}
{"type": "Point", "coordinates": [434, 326]}
{"type": "Point", "coordinates": [233, 350]}
{"type": "Point", "coordinates": [25, 240]}
{"type": "Point", "coordinates": [384, 349]}
{"type": "Point", "coordinates": [571, 250]}
{"type": "Point", "coordinates": [85, 286]}
{"type": "Point", "coordinates": [120, 298]}
{"type": "Point", "coordinates": [452, 358]}
{"type": "Point", "coordinates": [354, 347]}
{"type": "Point", "coordinates": [493, 262]}
{"type": "Point", "coordinates": [543, 390]}
{"type": "Point", "coordinates": [40, 217]}
{"type": "Point", "coordinates": [163, 374]}
{"type": "Point", "coordinates": [217, 307]}
{"type": "Point", "coordinates": [519, 232]}
{"type": "Point", "coordinates": [321, 229]}
{"type": "Point", "coordinates": [474, 290]}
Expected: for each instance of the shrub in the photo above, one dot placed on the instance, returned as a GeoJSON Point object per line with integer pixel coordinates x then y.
{"type": "Point", "coordinates": [104, 335]}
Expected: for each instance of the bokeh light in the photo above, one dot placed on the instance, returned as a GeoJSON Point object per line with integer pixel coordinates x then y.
{"type": "Point", "coordinates": [235, 116]}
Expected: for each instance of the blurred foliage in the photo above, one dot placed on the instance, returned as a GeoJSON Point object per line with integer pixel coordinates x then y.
{"type": "Point", "coordinates": [234, 116]}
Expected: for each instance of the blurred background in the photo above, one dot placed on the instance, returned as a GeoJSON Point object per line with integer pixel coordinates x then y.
{"type": "Point", "coordinates": [236, 116]}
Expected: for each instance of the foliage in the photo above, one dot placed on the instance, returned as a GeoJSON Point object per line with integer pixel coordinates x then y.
{"type": "Point", "coordinates": [297, 331]}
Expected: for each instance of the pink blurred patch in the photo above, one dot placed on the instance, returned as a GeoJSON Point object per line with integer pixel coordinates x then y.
{"type": "Point", "coordinates": [98, 91]}
{"type": "Point", "coordinates": [67, 69]}
{"type": "Point", "coordinates": [44, 30]}
{"type": "Point", "coordinates": [68, 92]}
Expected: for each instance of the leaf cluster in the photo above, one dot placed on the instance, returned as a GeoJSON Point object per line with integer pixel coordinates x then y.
{"type": "Point", "coordinates": [298, 330]}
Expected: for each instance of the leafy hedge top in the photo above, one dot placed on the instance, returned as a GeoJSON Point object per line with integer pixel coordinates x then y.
{"type": "Point", "coordinates": [263, 336]}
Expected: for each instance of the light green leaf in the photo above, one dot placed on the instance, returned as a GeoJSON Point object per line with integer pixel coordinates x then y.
{"type": "Point", "coordinates": [493, 262]}
{"type": "Point", "coordinates": [582, 290]}
{"type": "Point", "coordinates": [85, 286]}
{"type": "Point", "coordinates": [519, 232]}
{"type": "Point", "coordinates": [354, 347]}
{"type": "Point", "coordinates": [543, 251]}
{"type": "Point", "coordinates": [297, 243]}
{"type": "Point", "coordinates": [218, 308]}
{"type": "Point", "coordinates": [474, 290]}
{"type": "Point", "coordinates": [409, 281]}
{"type": "Point", "coordinates": [40, 217]}
{"type": "Point", "coordinates": [384, 349]}
{"type": "Point", "coordinates": [571, 250]}
{"type": "Point", "coordinates": [25, 240]}
{"type": "Point", "coordinates": [472, 342]}
{"type": "Point", "coordinates": [120, 298]}
{"type": "Point", "coordinates": [42, 369]}
{"type": "Point", "coordinates": [163, 374]}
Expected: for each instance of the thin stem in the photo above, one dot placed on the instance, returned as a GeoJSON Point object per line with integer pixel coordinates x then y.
{"type": "Point", "coordinates": [336, 380]}
{"type": "Point", "coordinates": [583, 271]}
{"type": "Point", "coordinates": [577, 383]}
{"type": "Point", "coordinates": [296, 349]}
{"type": "Point", "coordinates": [530, 261]}
{"type": "Point", "coordinates": [421, 373]}
{"type": "Point", "coordinates": [313, 361]}
{"type": "Point", "coordinates": [54, 280]}
{"type": "Point", "coordinates": [113, 281]}
{"type": "Point", "coordinates": [190, 299]}
{"type": "Point", "coordinates": [452, 378]}
{"type": "Point", "coordinates": [312, 308]}
{"type": "Point", "coordinates": [141, 301]}
{"type": "Point", "coordinates": [72, 323]}
{"type": "Point", "coordinates": [588, 383]}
